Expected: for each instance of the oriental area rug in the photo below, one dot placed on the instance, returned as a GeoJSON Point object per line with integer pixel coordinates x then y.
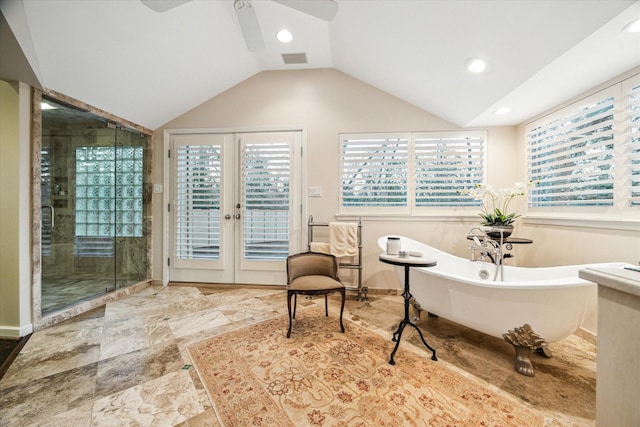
{"type": "Point", "coordinates": [255, 376]}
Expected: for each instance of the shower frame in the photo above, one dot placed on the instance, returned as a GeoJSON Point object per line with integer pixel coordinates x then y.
{"type": "Point", "coordinates": [40, 320]}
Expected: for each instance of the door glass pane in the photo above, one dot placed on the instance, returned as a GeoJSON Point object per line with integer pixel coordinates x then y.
{"type": "Point", "coordinates": [197, 207]}
{"type": "Point", "coordinates": [126, 187]}
{"type": "Point", "coordinates": [73, 269]}
{"type": "Point", "coordinates": [265, 192]}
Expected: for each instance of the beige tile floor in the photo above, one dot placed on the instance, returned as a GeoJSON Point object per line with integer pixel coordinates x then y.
{"type": "Point", "coordinates": [126, 364]}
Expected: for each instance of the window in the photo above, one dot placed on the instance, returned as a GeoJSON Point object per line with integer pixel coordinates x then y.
{"type": "Point", "coordinates": [197, 203]}
{"type": "Point", "coordinates": [444, 166]}
{"type": "Point", "coordinates": [570, 157]}
{"type": "Point", "coordinates": [108, 197]}
{"type": "Point", "coordinates": [266, 195]}
{"type": "Point", "coordinates": [403, 173]}
{"type": "Point", "coordinates": [585, 158]}
{"type": "Point", "coordinates": [634, 145]}
{"type": "Point", "coordinates": [374, 171]}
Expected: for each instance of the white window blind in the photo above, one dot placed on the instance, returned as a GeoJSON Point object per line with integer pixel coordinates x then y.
{"type": "Point", "coordinates": [444, 166]}
{"type": "Point", "coordinates": [197, 206]}
{"type": "Point", "coordinates": [266, 196]}
{"type": "Point", "coordinates": [46, 200]}
{"type": "Point", "coordinates": [571, 157]}
{"type": "Point", "coordinates": [634, 145]}
{"type": "Point", "coordinates": [374, 171]}
{"type": "Point", "coordinates": [411, 171]}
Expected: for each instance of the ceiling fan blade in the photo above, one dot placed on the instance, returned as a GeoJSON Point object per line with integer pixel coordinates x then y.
{"type": "Point", "coordinates": [323, 9]}
{"type": "Point", "coordinates": [249, 25]}
{"type": "Point", "coordinates": [163, 5]}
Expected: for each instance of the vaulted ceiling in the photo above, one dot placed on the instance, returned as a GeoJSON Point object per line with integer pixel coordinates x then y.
{"type": "Point", "coordinates": [149, 67]}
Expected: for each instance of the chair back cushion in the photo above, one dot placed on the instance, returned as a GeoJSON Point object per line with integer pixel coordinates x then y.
{"type": "Point", "coordinates": [311, 264]}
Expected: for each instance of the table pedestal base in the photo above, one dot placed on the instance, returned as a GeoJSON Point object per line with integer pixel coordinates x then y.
{"type": "Point", "coordinates": [396, 338]}
{"type": "Point", "coordinates": [406, 321]}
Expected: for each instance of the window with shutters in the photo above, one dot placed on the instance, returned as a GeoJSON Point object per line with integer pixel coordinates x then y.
{"type": "Point", "coordinates": [585, 158]}
{"type": "Point", "coordinates": [571, 157]}
{"type": "Point", "coordinates": [634, 144]}
{"type": "Point", "coordinates": [407, 172]}
{"type": "Point", "coordinates": [265, 192]}
{"type": "Point", "coordinates": [47, 201]}
{"type": "Point", "coordinates": [197, 202]}
{"type": "Point", "coordinates": [445, 165]}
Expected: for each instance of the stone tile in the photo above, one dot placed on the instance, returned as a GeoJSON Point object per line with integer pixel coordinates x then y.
{"type": "Point", "coordinates": [191, 323]}
{"type": "Point", "coordinates": [76, 417]}
{"type": "Point", "coordinates": [41, 399]}
{"type": "Point", "coordinates": [206, 419]}
{"type": "Point", "coordinates": [56, 349]}
{"type": "Point", "coordinates": [124, 371]}
{"type": "Point", "coordinates": [168, 400]}
{"type": "Point", "coordinates": [125, 339]}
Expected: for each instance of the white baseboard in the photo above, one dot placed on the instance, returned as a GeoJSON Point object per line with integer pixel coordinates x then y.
{"type": "Point", "coordinates": [15, 332]}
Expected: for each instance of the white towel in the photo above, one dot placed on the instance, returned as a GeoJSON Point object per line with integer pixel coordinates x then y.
{"type": "Point", "coordinates": [343, 238]}
{"type": "Point", "coordinates": [319, 247]}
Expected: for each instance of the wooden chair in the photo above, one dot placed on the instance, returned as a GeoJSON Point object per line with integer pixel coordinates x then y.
{"type": "Point", "coordinates": [312, 273]}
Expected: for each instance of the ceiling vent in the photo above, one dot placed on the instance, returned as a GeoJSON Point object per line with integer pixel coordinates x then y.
{"type": "Point", "coordinates": [294, 58]}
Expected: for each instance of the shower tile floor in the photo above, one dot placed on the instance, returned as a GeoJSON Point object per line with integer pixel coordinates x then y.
{"type": "Point", "coordinates": [116, 364]}
{"type": "Point", "coordinates": [61, 292]}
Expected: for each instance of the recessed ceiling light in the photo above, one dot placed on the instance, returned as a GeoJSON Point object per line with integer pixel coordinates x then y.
{"type": "Point", "coordinates": [284, 36]}
{"type": "Point", "coordinates": [477, 65]}
{"type": "Point", "coordinates": [502, 110]}
{"type": "Point", "coordinates": [45, 106]}
{"type": "Point", "coordinates": [632, 27]}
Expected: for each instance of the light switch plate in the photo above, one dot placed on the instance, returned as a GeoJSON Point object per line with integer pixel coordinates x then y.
{"type": "Point", "coordinates": [314, 191]}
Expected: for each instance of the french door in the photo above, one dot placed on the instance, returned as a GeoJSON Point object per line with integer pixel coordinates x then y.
{"type": "Point", "coordinates": [235, 210]}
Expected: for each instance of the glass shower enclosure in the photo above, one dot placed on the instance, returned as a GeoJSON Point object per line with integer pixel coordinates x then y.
{"type": "Point", "coordinates": [93, 205]}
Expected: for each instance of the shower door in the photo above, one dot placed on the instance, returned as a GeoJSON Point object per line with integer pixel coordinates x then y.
{"type": "Point", "coordinates": [92, 234]}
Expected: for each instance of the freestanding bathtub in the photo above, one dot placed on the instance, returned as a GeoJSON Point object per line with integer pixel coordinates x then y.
{"type": "Point", "coordinates": [553, 301]}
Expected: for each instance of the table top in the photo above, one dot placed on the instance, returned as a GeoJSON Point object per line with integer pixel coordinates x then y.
{"type": "Point", "coordinates": [512, 240]}
{"type": "Point", "coordinates": [410, 261]}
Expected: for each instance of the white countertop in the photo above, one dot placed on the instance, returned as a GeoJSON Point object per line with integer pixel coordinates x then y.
{"type": "Point", "coordinates": [619, 279]}
{"type": "Point", "coordinates": [418, 260]}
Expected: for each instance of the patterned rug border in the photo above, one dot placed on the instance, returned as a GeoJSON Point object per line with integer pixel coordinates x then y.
{"type": "Point", "coordinates": [406, 346]}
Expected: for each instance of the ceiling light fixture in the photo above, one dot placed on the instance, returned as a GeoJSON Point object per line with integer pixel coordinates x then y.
{"type": "Point", "coordinates": [284, 36]}
{"type": "Point", "coordinates": [502, 110]}
{"type": "Point", "coordinates": [477, 65]}
{"type": "Point", "coordinates": [632, 27]}
{"type": "Point", "coordinates": [45, 106]}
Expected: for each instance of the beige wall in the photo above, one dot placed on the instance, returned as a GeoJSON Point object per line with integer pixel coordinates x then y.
{"type": "Point", "coordinates": [327, 102]}
{"type": "Point", "coordinates": [15, 198]}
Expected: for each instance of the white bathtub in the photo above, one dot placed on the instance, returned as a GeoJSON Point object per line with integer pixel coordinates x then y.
{"type": "Point", "coordinates": [554, 301]}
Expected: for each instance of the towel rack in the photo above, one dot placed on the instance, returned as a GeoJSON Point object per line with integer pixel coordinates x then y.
{"type": "Point", "coordinates": [362, 291]}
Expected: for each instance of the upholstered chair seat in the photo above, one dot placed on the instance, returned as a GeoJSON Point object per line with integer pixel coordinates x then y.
{"type": "Point", "coordinates": [312, 273]}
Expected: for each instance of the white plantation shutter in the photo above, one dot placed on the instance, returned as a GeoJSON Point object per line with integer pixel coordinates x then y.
{"type": "Point", "coordinates": [445, 165]}
{"type": "Point", "coordinates": [266, 196]}
{"type": "Point", "coordinates": [634, 145]}
{"type": "Point", "coordinates": [197, 203]}
{"type": "Point", "coordinates": [374, 170]}
{"type": "Point", "coordinates": [46, 200]}
{"type": "Point", "coordinates": [571, 157]}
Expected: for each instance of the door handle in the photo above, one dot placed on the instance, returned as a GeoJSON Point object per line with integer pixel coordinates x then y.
{"type": "Point", "coordinates": [227, 216]}
{"type": "Point", "coordinates": [237, 216]}
{"type": "Point", "coordinates": [53, 215]}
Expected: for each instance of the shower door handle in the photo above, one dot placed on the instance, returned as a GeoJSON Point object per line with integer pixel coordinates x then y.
{"type": "Point", "coordinates": [53, 215]}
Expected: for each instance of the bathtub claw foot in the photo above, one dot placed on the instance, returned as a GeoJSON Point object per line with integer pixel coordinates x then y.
{"type": "Point", "coordinates": [523, 362]}
{"type": "Point", "coordinates": [545, 351]}
{"type": "Point", "coordinates": [524, 340]}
